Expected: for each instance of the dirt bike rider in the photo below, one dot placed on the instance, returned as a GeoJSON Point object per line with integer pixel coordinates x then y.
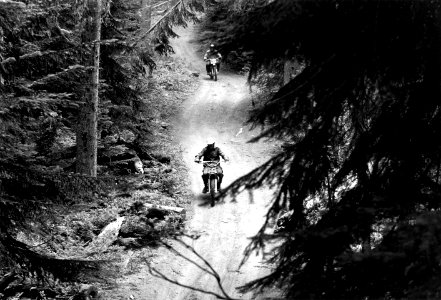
{"type": "Point", "coordinates": [212, 53]}
{"type": "Point", "coordinates": [211, 153]}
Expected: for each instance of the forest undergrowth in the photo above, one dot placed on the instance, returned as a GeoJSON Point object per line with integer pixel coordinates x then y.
{"type": "Point", "coordinates": [119, 191]}
{"type": "Point", "coordinates": [60, 230]}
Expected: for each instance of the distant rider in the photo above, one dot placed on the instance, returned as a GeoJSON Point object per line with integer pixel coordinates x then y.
{"type": "Point", "coordinates": [212, 53]}
{"type": "Point", "coordinates": [211, 153]}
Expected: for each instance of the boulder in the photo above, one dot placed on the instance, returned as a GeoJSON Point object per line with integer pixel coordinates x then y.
{"type": "Point", "coordinates": [139, 169]}
{"type": "Point", "coordinates": [128, 166]}
{"type": "Point", "coordinates": [136, 231]}
{"type": "Point", "coordinates": [107, 237]}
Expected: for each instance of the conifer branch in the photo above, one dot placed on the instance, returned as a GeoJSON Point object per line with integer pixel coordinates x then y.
{"type": "Point", "coordinates": [157, 23]}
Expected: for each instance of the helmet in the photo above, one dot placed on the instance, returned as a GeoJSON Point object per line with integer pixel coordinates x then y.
{"type": "Point", "coordinates": [210, 141]}
{"type": "Point", "coordinates": [212, 46]}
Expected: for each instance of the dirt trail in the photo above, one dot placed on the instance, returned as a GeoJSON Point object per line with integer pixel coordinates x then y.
{"type": "Point", "coordinates": [217, 109]}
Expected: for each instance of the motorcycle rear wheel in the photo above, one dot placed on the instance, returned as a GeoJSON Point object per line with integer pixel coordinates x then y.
{"type": "Point", "coordinates": [215, 73]}
{"type": "Point", "coordinates": [212, 189]}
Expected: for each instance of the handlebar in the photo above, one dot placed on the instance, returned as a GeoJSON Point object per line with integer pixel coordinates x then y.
{"type": "Point", "coordinates": [209, 161]}
{"type": "Point", "coordinates": [216, 58]}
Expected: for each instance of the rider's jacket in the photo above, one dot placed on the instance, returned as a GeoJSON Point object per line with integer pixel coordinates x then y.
{"type": "Point", "coordinates": [212, 54]}
{"type": "Point", "coordinates": [213, 154]}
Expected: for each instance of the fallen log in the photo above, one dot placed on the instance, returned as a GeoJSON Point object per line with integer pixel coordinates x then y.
{"type": "Point", "coordinates": [175, 209]}
{"type": "Point", "coordinates": [106, 238]}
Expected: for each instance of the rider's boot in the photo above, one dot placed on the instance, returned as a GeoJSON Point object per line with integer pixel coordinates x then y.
{"type": "Point", "coordinates": [205, 189]}
{"type": "Point", "coordinates": [219, 182]}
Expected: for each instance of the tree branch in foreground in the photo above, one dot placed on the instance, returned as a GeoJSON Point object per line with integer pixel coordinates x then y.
{"type": "Point", "coordinates": [155, 272]}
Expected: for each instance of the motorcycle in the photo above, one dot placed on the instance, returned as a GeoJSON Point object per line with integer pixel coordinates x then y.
{"type": "Point", "coordinates": [213, 68]}
{"type": "Point", "coordinates": [212, 177]}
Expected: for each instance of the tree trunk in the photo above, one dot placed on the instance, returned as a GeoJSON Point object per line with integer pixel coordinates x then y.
{"type": "Point", "coordinates": [147, 13]}
{"type": "Point", "coordinates": [87, 127]}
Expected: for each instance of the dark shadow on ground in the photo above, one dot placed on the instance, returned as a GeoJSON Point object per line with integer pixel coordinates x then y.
{"type": "Point", "coordinates": [205, 200]}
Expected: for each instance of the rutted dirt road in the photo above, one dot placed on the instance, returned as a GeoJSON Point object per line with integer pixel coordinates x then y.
{"type": "Point", "coordinates": [217, 109]}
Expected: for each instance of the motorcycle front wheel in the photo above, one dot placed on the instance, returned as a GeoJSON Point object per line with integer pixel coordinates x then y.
{"type": "Point", "coordinates": [212, 189]}
{"type": "Point", "coordinates": [215, 73]}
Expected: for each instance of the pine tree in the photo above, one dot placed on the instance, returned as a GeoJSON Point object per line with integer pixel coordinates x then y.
{"type": "Point", "coordinates": [156, 39]}
{"type": "Point", "coordinates": [53, 30]}
{"type": "Point", "coordinates": [361, 126]}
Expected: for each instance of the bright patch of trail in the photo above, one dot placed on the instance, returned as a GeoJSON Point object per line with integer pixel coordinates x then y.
{"type": "Point", "coordinates": [219, 110]}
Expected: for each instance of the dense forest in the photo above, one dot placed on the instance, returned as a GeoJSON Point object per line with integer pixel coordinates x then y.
{"type": "Point", "coordinates": [51, 214]}
{"type": "Point", "coordinates": [351, 88]}
{"type": "Point", "coordinates": [359, 175]}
